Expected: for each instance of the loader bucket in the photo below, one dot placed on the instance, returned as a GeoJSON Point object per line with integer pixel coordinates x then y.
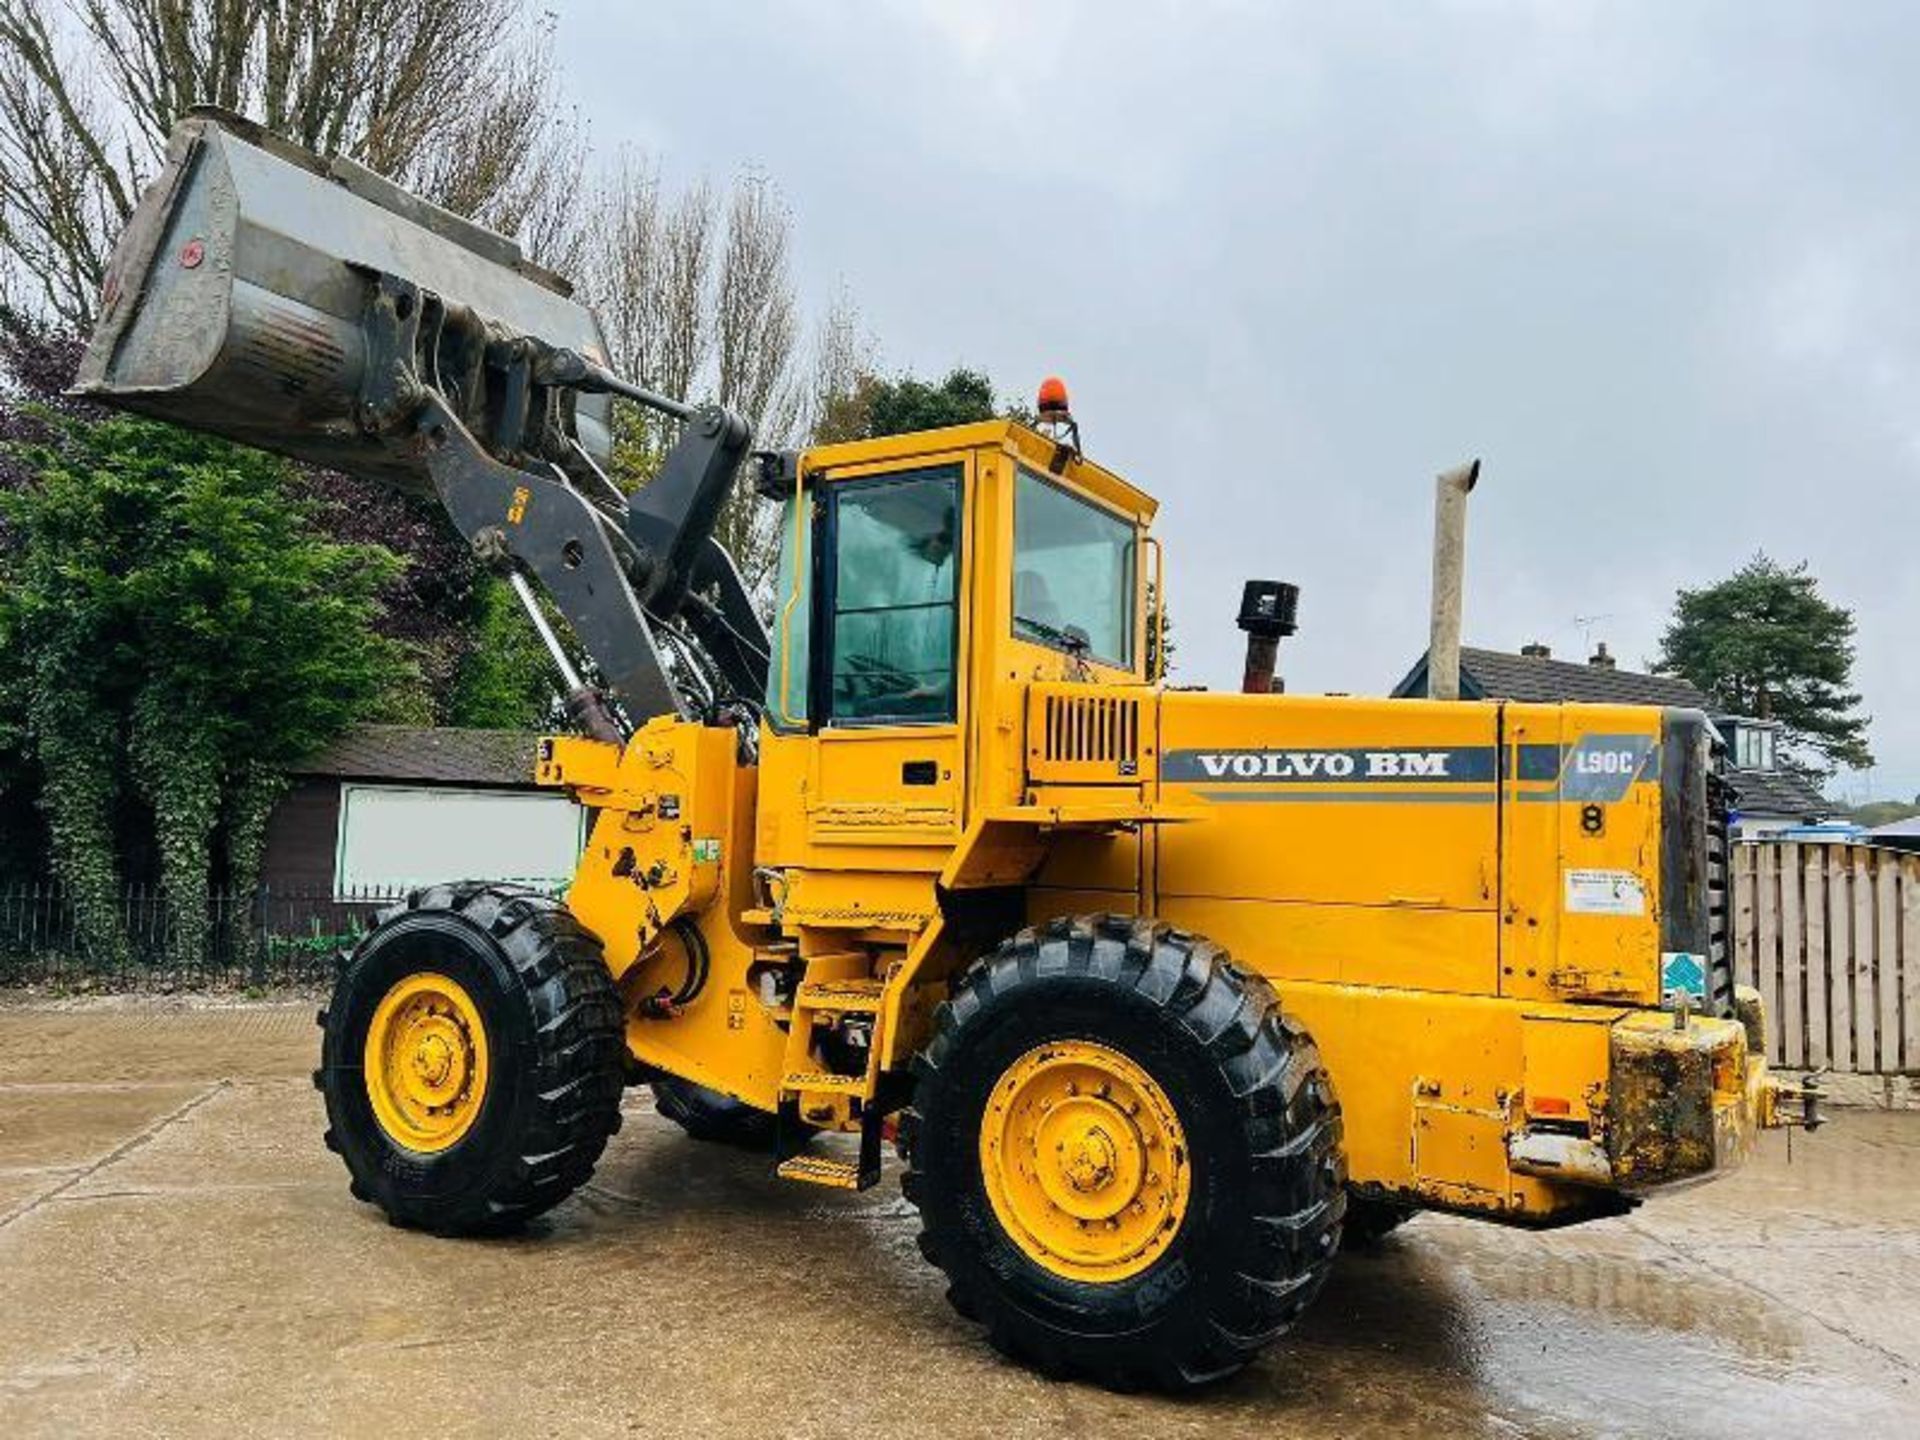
{"type": "Point", "coordinates": [235, 299]}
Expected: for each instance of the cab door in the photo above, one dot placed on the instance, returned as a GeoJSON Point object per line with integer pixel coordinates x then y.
{"type": "Point", "coordinates": [887, 673]}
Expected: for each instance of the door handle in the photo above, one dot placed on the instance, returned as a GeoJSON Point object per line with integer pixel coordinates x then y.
{"type": "Point", "coordinates": [919, 772]}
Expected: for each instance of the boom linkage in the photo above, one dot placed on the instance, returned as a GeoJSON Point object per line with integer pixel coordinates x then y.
{"type": "Point", "coordinates": [491, 416]}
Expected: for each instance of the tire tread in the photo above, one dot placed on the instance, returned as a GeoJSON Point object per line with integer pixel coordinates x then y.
{"type": "Point", "coordinates": [576, 1048]}
{"type": "Point", "coordinates": [1287, 1111]}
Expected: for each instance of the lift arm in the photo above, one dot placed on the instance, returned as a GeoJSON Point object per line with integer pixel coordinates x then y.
{"type": "Point", "coordinates": [484, 411]}
{"type": "Point", "coordinates": [310, 307]}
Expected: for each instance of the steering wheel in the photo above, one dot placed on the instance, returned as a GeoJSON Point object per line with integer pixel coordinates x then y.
{"type": "Point", "coordinates": [879, 677]}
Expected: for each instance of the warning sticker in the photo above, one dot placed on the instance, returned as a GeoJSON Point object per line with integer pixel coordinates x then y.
{"type": "Point", "coordinates": [1605, 892]}
{"type": "Point", "coordinates": [1683, 974]}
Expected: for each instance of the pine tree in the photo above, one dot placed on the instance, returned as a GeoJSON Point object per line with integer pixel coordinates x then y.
{"type": "Point", "coordinates": [1763, 643]}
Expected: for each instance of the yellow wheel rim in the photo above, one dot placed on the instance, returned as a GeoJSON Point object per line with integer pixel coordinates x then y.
{"type": "Point", "coordinates": [426, 1062]}
{"type": "Point", "coordinates": [1085, 1161]}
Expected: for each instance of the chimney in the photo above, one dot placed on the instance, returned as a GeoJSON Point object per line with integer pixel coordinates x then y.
{"type": "Point", "coordinates": [1534, 650]}
{"type": "Point", "coordinates": [1600, 659]}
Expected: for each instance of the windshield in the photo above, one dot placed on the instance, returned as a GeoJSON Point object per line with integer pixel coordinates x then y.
{"type": "Point", "coordinates": [1072, 573]}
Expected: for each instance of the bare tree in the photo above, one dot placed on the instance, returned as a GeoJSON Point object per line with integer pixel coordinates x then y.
{"type": "Point", "coordinates": [621, 262]}
{"type": "Point", "coordinates": [756, 325]}
{"type": "Point", "coordinates": [683, 335]}
{"type": "Point", "coordinates": [756, 328]}
{"type": "Point", "coordinates": [456, 99]}
{"type": "Point", "coordinates": [843, 361]}
{"type": "Point", "coordinates": [645, 268]}
{"type": "Point", "coordinates": [62, 195]}
{"type": "Point", "coordinates": [697, 299]}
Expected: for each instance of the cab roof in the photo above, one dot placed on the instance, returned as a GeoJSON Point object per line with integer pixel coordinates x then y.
{"type": "Point", "coordinates": [1032, 449]}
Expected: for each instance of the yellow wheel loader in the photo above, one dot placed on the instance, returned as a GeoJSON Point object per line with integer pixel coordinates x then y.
{"type": "Point", "coordinates": [1157, 990]}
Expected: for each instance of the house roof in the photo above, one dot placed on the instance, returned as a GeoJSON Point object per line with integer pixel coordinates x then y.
{"type": "Point", "coordinates": [1777, 793]}
{"type": "Point", "coordinates": [442, 755]}
{"type": "Point", "coordinates": [1497, 675]}
{"type": "Point", "coordinates": [1908, 828]}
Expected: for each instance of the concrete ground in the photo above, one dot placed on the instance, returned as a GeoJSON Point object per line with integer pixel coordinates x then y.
{"type": "Point", "coordinates": [179, 1255]}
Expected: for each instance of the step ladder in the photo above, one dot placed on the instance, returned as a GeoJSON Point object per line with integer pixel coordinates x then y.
{"type": "Point", "coordinates": [851, 996]}
{"type": "Point", "coordinates": [809, 1168]}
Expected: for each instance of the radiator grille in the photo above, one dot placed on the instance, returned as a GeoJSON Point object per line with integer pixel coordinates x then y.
{"type": "Point", "coordinates": [1091, 731]}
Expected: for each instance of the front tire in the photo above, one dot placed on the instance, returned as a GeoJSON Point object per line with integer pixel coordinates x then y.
{"type": "Point", "coordinates": [472, 1059]}
{"type": "Point", "coordinates": [1126, 1159]}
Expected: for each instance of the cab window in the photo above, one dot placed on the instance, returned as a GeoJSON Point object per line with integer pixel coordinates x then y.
{"type": "Point", "coordinates": [893, 611]}
{"type": "Point", "coordinates": [1073, 573]}
{"type": "Point", "coordinates": [787, 672]}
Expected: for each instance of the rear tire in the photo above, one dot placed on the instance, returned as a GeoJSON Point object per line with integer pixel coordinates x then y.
{"type": "Point", "coordinates": [713, 1117]}
{"type": "Point", "coordinates": [526, 988]}
{"type": "Point", "coordinates": [1256, 1221]}
{"type": "Point", "coordinates": [1369, 1221]}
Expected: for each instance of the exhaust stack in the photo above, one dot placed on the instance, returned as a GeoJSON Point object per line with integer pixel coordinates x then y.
{"type": "Point", "coordinates": [1449, 576]}
{"type": "Point", "coordinates": [1267, 610]}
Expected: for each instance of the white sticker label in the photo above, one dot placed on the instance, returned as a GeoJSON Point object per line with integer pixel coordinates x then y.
{"type": "Point", "coordinates": [1605, 892]}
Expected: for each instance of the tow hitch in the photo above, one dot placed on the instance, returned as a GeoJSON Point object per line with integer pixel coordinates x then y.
{"type": "Point", "coordinates": [1794, 1104]}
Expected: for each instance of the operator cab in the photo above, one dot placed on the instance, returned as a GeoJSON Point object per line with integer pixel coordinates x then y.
{"type": "Point", "coordinates": [922, 577]}
{"type": "Point", "coordinates": [871, 615]}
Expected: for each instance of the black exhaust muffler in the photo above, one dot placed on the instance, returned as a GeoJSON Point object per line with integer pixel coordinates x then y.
{"type": "Point", "coordinates": [1267, 611]}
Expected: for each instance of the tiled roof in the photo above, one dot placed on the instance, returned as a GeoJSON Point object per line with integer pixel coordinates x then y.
{"type": "Point", "coordinates": [1777, 792]}
{"type": "Point", "coordinates": [1497, 675]}
{"type": "Point", "coordinates": [1530, 677]}
{"type": "Point", "coordinates": [445, 755]}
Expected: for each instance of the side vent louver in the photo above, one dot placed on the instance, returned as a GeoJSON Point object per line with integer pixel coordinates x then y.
{"type": "Point", "coordinates": [1084, 736]}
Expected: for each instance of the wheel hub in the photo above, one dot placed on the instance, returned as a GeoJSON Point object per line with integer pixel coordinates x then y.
{"type": "Point", "coordinates": [433, 1059]}
{"type": "Point", "coordinates": [442, 1057]}
{"type": "Point", "coordinates": [1084, 1160]}
{"type": "Point", "coordinates": [426, 1062]}
{"type": "Point", "coordinates": [1089, 1164]}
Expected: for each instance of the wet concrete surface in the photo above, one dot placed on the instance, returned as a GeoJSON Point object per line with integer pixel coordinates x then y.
{"type": "Point", "coordinates": [179, 1255]}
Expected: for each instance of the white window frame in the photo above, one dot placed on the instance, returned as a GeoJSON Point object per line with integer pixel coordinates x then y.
{"type": "Point", "coordinates": [343, 890]}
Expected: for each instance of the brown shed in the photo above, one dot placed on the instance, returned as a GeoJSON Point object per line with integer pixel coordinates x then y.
{"type": "Point", "coordinates": [390, 806]}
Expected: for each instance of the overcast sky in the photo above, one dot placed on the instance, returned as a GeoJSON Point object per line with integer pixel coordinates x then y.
{"type": "Point", "coordinates": [1655, 264]}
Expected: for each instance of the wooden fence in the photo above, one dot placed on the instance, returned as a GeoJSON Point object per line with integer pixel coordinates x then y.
{"type": "Point", "coordinates": [1830, 936]}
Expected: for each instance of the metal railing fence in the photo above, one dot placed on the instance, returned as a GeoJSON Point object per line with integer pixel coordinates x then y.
{"type": "Point", "coordinates": [258, 939]}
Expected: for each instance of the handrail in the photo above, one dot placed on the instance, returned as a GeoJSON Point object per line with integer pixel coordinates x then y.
{"type": "Point", "coordinates": [786, 611]}
{"type": "Point", "coordinates": [1156, 631]}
